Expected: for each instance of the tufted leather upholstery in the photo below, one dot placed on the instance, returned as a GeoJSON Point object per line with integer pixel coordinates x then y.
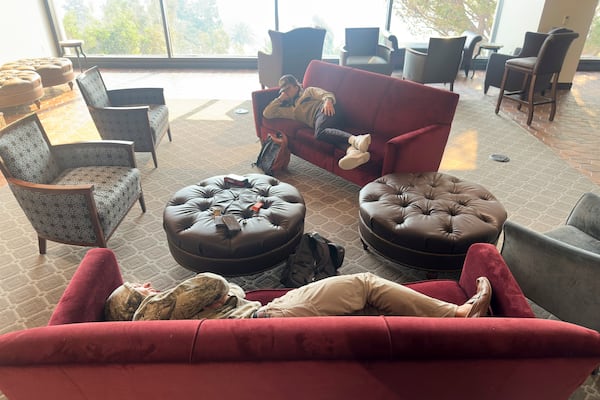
{"type": "Point", "coordinates": [136, 114]}
{"type": "Point", "coordinates": [428, 220]}
{"type": "Point", "coordinates": [75, 193]}
{"type": "Point", "coordinates": [266, 238]}
{"type": "Point", "coordinates": [53, 70]}
{"type": "Point", "coordinates": [20, 87]}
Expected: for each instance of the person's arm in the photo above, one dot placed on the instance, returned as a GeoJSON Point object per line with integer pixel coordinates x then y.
{"type": "Point", "coordinates": [185, 301]}
{"type": "Point", "coordinates": [328, 99]}
{"type": "Point", "coordinates": [277, 109]}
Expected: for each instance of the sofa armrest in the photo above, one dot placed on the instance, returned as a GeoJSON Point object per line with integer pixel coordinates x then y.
{"type": "Point", "coordinates": [416, 151]}
{"type": "Point", "coordinates": [260, 100]}
{"type": "Point", "coordinates": [94, 280]}
{"type": "Point", "coordinates": [508, 300]}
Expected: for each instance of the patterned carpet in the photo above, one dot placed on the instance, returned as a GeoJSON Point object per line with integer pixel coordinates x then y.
{"type": "Point", "coordinates": [537, 188]}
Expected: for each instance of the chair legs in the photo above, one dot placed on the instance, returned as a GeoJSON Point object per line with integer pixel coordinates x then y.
{"type": "Point", "coordinates": [42, 245]}
{"type": "Point", "coordinates": [142, 202]}
{"type": "Point", "coordinates": [528, 89]}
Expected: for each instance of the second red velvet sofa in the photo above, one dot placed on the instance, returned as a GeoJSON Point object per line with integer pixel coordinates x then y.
{"type": "Point", "coordinates": [510, 356]}
{"type": "Point", "coordinates": [409, 122]}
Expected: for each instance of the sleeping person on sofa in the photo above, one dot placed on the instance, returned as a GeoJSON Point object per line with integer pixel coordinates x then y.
{"type": "Point", "coordinates": [208, 295]}
{"type": "Point", "coordinates": [315, 107]}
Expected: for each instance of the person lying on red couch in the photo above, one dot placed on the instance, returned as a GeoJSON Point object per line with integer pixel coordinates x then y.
{"type": "Point", "coordinates": [211, 296]}
{"type": "Point", "coordinates": [314, 107]}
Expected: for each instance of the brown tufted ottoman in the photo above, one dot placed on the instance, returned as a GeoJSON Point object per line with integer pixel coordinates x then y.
{"type": "Point", "coordinates": [20, 87]}
{"type": "Point", "coordinates": [266, 237]}
{"type": "Point", "coordinates": [53, 70]}
{"type": "Point", "coordinates": [427, 220]}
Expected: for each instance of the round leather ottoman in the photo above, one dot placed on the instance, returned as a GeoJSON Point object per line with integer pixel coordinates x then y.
{"type": "Point", "coordinates": [267, 236]}
{"type": "Point", "coordinates": [53, 70]}
{"type": "Point", "coordinates": [20, 87]}
{"type": "Point", "coordinates": [427, 220]}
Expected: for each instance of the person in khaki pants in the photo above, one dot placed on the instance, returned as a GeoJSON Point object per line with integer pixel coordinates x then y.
{"type": "Point", "coordinates": [208, 295]}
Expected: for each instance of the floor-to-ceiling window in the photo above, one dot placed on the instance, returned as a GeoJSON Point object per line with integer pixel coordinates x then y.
{"type": "Point", "coordinates": [415, 21]}
{"type": "Point", "coordinates": [592, 43]}
{"type": "Point", "coordinates": [216, 29]}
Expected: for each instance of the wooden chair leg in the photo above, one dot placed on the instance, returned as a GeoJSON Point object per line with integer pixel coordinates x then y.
{"type": "Point", "coordinates": [530, 98]}
{"type": "Point", "coordinates": [154, 158]}
{"type": "Point", "coordinates": [142, 202]}
{"type": "Point", "coordinates": [553, 96]}
{"type": "Point", "coordinates": [169, 134]}
{"type": "Point", "coordinates": [501, 94]}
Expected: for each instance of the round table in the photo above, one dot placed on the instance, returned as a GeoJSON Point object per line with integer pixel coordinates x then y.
{"type": "Point", "coordinates": [267, 236]}
{"type": "Point", "coordinates": [427, 220]}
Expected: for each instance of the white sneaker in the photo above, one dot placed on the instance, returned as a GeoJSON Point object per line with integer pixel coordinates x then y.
{"type": "Point", "coordinates": [353, 158]}
{"type": "Point", "coordinates": [361, 142]}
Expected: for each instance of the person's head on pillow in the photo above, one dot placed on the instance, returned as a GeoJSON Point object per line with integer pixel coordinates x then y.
{"type": "Point", "coordinates": [125, 300]}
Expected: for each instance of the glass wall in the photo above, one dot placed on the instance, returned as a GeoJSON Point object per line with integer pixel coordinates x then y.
{"type": "Point", "coordinates": [113, 27]}
{"type": "Point", "coordinates": [213, 28]}
{"type": "Point", "coordinates": [592, 43]}
{"type": "Point", "coordinates": [415, 21]}
{"type": "Point", "coordinates": [333, 15]}
{"type": "Point", "coordinates": [239, 28]}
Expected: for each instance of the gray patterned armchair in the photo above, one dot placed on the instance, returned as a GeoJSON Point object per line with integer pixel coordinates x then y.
{"type": "Point", "coordinates": [136, 114]}
{"type": "Point", "coordinates": [75, 193]}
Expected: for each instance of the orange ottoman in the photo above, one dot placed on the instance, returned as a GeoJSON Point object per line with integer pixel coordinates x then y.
{"type": "Point", "coordinates": [20, 87]}
{"type": "Point", "coordinates": [53, 70]}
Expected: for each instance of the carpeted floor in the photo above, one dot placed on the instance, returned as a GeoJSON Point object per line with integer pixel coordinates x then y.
{"type": "Point", "coordinates": [537, 188]}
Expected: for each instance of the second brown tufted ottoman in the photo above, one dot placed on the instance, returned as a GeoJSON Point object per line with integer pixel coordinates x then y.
{"type": "Point", "coordinates": [427, 220]}
{"type": "Point", "coordinates": [266, 238]}
{"type": "Point", "coordinates": [53, 70]}
{"type": "Point", "coordinates": [19, 88]}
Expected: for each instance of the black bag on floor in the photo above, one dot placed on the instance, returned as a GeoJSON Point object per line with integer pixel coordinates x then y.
{"type": "Point", "coordinates": [274, 154]}
{"type": "Point", "coordinates": [315, 258]}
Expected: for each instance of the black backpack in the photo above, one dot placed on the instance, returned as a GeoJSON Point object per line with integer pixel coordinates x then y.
{"type": "Point", "coordinates": [315, 258]}
{"type": "Point", "coordinates": [274, 154]}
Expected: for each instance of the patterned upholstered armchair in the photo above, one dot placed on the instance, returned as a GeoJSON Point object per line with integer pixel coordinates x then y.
{"type": "Point", "coordinates": [75, 193]}
{"type": "Point", "coordinates": [136, 114]}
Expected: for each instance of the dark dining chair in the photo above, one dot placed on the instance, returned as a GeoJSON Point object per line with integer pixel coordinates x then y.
{"type": "Point", "coordinates": [547, 63]}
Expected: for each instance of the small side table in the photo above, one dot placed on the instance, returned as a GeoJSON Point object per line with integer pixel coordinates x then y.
{"type": "Point", "coordinates": [492, 47]}
{"type": "Point", "coordinates": [77, 45]}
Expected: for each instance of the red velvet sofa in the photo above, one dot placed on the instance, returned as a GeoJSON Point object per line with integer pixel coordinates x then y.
{"type": "Point", "coordinates": [510, 356]}
{"type": "Point", "coordinates": [409, 122]}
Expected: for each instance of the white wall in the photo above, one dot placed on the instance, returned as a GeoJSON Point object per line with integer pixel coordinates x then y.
{"type": "Point", "coordinates": [580, 14]}
{"type": "Point", "coordinates": [24, 31]}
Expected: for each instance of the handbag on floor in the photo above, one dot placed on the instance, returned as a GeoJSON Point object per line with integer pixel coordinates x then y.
{"type": "Point", "coordinates": [315, 258]}
{"type": "Point", "coordinates": [274, 154]}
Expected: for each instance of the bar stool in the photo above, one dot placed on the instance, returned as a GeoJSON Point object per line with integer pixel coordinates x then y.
{"type": "Point", "coordinates": [75, 44]}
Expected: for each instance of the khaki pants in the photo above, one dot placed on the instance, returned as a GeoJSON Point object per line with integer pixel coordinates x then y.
{"type": "Point", "coordinates": [362, 293]}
